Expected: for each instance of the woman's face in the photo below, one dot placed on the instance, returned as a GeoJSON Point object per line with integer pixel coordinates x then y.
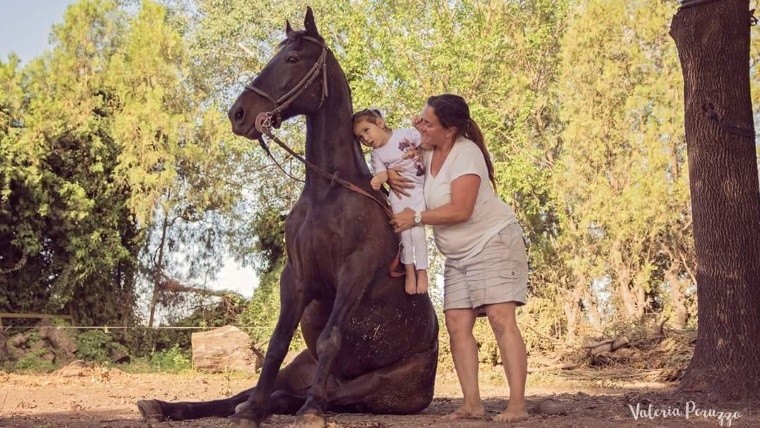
{"type": "Point", "coordinates": [432, 133]}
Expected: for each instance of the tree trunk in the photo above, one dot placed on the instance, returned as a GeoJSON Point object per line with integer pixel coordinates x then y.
{"type": "Point", "coordinates": [680, 313]}
{"type": "Point", "coordinates": [158, 269]}
{"type": "Point", "coordinates": [712, 38]}
{"type": "Point", "coordinates": [592, 309]}
{"type": "Point", "coordinates": [572, 310]}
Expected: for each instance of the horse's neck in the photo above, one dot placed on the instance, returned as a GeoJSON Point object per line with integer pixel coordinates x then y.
{"type": "Point", "coordinates": [330, 142]}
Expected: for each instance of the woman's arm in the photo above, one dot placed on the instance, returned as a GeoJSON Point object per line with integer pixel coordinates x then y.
{"type": "Point", "coordinates": [464, 193]}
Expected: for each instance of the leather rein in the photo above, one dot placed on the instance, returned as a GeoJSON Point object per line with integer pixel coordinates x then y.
{"type": "Point", "coordinates": [263, 124]}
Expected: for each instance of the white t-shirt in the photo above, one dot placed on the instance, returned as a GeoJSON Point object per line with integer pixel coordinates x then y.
{"type": "Point", "coordinates": [391, 155]}
{"type": "Point", "coordinates": [490, 215]}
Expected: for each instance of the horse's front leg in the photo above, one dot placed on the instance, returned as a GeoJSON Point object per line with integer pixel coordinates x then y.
{"type": "Point", "coordinates": [293, 300]}
{"type": "Point", "coordinates": [352, 283]}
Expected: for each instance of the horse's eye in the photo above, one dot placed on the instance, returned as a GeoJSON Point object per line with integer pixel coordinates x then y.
{"type": "Point", "coordinates": [292, 59]}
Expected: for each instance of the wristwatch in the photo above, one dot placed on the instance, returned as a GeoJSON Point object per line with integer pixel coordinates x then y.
{"type": "Point", "coordinates": [418, 217]}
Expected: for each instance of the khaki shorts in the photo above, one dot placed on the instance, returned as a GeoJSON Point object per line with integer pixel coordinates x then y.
{"type": "Point", "coordinates": [497, 274]}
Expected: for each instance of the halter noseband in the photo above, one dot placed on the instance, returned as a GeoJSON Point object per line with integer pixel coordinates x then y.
{"type": "Point", "coordinates": [280, 104]}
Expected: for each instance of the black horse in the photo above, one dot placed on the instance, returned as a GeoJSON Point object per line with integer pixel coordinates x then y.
{"type": "Point", "coordinates": [371, 347]}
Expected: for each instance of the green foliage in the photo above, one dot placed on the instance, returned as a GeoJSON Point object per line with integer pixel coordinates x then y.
{"type": "Point", "coordinates": [622, 171]}
{"type": "Point", "coordinates": [98, 346]}
{"type": "Point", "coordinates": [118, 170]}
{"type": "Point", "coordinates": [37, 357]}
{"type": "Point", "coordinates": [35, 362]}
{"type": "Point", "coordinates": [65, 224]}
{"type": "Point", "coordinates": [107, 142]}
{"type": "Point", "coordinates": [262, 312]}
{"type": "Point", "coordinates": [92, 345]}
{"type": "Point", "coordinates": [171, 360]}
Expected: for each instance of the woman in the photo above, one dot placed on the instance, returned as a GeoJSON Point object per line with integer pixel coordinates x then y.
{"type": "Point", "coordinates": [486, 269]}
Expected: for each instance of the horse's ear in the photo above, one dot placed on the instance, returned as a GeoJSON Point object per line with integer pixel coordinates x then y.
{"type": "Point", "coordinates": [288, 28]}
{"type": "Point", "coordinates": [308, 22]}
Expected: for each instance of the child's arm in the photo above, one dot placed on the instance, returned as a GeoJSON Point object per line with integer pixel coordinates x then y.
{"type": "Point", "coordinates": [378, 179]}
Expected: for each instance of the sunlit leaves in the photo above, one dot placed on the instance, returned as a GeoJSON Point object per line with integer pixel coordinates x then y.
{"type": "Point", "coordinates": [622, 171]}
{"type": "Point", "coordinates": [107, 133]}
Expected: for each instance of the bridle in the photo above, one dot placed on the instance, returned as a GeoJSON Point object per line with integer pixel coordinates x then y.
{"type": "Point", "coordinates": [280, 104]}
{"type": "Point", "coordinates": [263, 124]}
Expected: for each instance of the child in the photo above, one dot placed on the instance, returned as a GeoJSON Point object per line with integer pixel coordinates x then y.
{"type": "Point", "coordinates": [399, 150]}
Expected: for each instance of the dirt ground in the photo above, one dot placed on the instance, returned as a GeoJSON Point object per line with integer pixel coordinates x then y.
{"type": "Point", "coordinates": [105, 398]}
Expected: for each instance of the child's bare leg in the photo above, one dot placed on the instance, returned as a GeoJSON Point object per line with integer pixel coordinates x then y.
{"type": "Point", "coordinates": [422, 281]}
{"type": "Point", "coordinates": [410, 281]}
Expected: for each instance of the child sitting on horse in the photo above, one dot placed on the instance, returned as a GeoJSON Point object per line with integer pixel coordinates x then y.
{"type": "Point", "coordinates": [400, 150]}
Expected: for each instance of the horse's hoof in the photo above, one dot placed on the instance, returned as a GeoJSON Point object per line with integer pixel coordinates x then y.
{"type": "Point", "coordinates": [309, 420]}
{"type": "Point", "coordinates": [242, 416]}
{"type": "Point", "coordinates": [241, 408]}
{"type": "Point", "coordinates": [151, 410]}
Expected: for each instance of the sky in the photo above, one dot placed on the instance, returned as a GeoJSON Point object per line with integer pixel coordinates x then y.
{"type": "Point", "coordinates": [25, 27]}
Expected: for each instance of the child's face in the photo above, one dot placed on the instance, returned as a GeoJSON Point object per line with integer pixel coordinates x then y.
{"type": "Point", "coordinates": [371, 134]}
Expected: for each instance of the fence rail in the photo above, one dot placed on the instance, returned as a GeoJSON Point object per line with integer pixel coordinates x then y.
{"type": "Point", "coordinates": [108, 327]}
{"type": "Point", "coordinates": [31, 316]}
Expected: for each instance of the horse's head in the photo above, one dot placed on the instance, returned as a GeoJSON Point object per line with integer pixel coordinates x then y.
{"type": "Point", "coordinates": [293, 82]}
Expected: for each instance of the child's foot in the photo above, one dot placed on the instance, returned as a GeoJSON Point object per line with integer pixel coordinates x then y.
{"type": "Point", "coordinates": [410, 280]}
{"type": "Point", "coordinates": [466, 413]}
{"type": "Point", "coordinates": [422, 281]}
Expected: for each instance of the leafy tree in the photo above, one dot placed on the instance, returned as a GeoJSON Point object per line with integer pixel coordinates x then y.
{"type": "Point", "coordinates": [625, 211]}
{"type": "Point", "coordinates": [64, 212]}
{"type": "Point", "coordinates": [174, 151]}
{"type": "Point", "coordinates": [16, 234]}
{"type": "Point", "coordinates": [113, 148]}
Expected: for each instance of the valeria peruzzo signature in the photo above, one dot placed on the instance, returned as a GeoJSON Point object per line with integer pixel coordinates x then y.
{"type": "Point", "coordinates": [689, 410]}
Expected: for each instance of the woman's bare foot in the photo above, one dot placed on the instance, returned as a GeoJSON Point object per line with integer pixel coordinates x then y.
{"type": "Point", "coordinates": [422, 281]}
{"type": "Point", "coordinates": [466, 413]}
{"type": "Point", "coordinates": [512, 415]}
{"type": "Point", "coordinates": [410, 281]}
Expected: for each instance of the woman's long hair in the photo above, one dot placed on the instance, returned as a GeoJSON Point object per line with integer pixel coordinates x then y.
{"type": "Point", "coordinates": [452, 110]}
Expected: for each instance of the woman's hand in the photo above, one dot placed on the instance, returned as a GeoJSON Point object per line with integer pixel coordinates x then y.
{"type": "Point", "coordinates": [417, 122]}
{"type": "Point", "coordinates": [403, 221]}
{"type": "Point", "coordinates": [398, 183]}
